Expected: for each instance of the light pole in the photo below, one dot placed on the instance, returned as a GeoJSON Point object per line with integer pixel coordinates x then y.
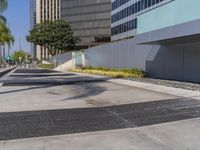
{"type": "Point", "coordinates": [20, 59]}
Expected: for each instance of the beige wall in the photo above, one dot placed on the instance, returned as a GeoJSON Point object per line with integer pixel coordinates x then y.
{"type": "Point", "coordinates": [46, 10]}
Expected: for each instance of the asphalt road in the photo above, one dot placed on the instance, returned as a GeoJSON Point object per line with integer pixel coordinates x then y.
{"type": "Point", "coordinates": [39, 103]}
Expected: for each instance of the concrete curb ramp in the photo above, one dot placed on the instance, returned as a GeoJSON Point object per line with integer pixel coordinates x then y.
{"type": "Point", "coordinates": [5, 71]}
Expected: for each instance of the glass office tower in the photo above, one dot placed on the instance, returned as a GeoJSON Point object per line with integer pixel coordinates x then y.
{"type": "Point", "coordinates": [33, 23]}
{"type": "Point", "coordinates": [124, 16]}
{"type": "Point", "coordinates": [89, 19]}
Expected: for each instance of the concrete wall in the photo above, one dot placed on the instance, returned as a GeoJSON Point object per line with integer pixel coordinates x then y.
{"type": "Point", "coordinates": [64, 62]}
{"type": "Point", "coordinates": [176, 61]}
{"type": "Point", "coordinates": [66, 66]}
{"type": "Point", "coordinates": [61, 59]}
{"type": "Point", "coordinates": [118, 54]}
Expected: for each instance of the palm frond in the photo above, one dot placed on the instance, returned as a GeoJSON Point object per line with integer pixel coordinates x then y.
{"type": "Point", "coordinates": [2, 19]}
{"type": "Point", "coordinates": [3, 5]}
{"type": "Point", "coordinates": [5, 35]}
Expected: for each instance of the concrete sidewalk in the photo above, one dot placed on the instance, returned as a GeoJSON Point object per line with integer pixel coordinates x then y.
{"type": "Point", "coordinates": [5, 71]}
{"type": "Point", "coordinates": [153, 87]}
{"type": "Point", "coordinates": [159, 88]}
{"type": "Point", "coordinates": [71, 93]}
{"type": "Point", "coordinates": [181, 135]}
{"type": "Point", "coordinates": [111, 114]}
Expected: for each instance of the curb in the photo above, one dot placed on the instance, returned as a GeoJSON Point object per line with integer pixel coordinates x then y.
{"type": "Point", "coordinates": [149, 86]}
{"type": "Point", "coordinates": [3, 72]}
{"type": "Point", "coordinates": [158, 88]}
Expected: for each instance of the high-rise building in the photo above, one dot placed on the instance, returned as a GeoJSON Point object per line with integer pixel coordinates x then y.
{"type": "Point", "coordinates": [89, 19]}
{"type": "Point", "coordinates": [124, 16]}
{"type": "Point", "coordinates": [32, 13]}
{"type": "Point", "coordinates": [46, 10]}
{"type": "Point", "coordinates": [33, 23]}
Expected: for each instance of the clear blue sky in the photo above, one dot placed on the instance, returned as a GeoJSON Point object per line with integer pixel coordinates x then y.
{"type": "Point", "coordinates": [18, 20]}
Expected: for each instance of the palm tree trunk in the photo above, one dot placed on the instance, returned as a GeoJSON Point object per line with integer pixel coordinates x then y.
{"type": "Point", "coordinates": [1, 56]}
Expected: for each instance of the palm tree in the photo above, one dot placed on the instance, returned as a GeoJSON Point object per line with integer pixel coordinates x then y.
{"type": "Point", "coordinates": [5, 35]}
{"type": "Point", "coordinates": [6, 38]}
{"type": "Point", "coordinates": [3, 7]}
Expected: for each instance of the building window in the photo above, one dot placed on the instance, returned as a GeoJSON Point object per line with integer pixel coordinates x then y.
{"type": "Point", "coordinates": [127, 26]}
{"type": "Point", "coordinates": [133, 9]}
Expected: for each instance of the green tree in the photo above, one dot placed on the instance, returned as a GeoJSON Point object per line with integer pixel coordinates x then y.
{"type": "Point", "coordinates": [57, 36]}
{"type": "Point", "coordinates": [5, 35]}
{"type": "Point", "coordinates": [19, 56]}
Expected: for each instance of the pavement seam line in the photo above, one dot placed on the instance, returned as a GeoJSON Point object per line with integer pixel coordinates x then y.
{"type": "Point", "coordinates": [129, 124]}
{"type": "Point", "coordinates": [50, 119]}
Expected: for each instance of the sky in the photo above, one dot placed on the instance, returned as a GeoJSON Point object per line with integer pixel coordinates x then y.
{"type": "Point", "coordinates": [18, 21]}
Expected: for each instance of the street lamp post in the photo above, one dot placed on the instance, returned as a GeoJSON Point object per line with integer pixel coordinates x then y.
{"type": "Point", "coordinates": [20, 60]}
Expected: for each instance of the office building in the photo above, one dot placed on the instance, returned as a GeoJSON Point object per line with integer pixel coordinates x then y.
{"type": "Point", "coordinates": [166, 41]}
{"type": "Point", "coordinates": [46, 10]}
{"type": "Point", "coordinates": [32, 24]}
{"type": "Point", "coordinates": [124, 16]}
{"type": "Point", "coordinates": [89, 19]}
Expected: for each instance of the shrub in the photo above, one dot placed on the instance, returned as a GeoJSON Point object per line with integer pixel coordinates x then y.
{"type": "Point", "coordinates": [112, 72]}
{"type": "Point", "coordinates": [45, 66]}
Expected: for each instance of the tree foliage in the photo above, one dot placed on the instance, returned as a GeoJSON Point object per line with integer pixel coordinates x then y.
{"type": "Point", "coordinates": [19, 56]}
{"type": "Point", "coordinates": [3, 5]}
{"type": "Point", "coordinates": [57, 36]}
{"type": "Point", "coordinates": [5, 35]}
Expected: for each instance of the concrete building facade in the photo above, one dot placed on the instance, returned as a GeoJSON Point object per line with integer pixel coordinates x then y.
{"type": "Point", "coordinates": [89, 19]}
{"type": "Point", "coordinates": [46, 10]}
{"type": "Point", "coordinates": [166, 41]}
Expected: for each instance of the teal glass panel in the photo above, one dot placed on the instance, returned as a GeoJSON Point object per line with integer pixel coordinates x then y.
{"type": "Point", "coordinates": [172, 13]}
{"type": "Point", "coordinates": [78, 58]}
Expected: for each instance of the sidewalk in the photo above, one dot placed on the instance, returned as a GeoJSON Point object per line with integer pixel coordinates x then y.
{"type": "Point", "coordinates": [5, 70]}
{"type": "Point", "coordinates": [159, 88]}
{"type": "Point", "coordinates": [150, 86]}
{"type": "Point", "coordinates": [115, 114]}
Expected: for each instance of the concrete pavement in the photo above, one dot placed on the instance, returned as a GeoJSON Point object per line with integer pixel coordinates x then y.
{"type": "Point", "coordinates": [5, 71]}
{"type": "Point", "coordinates": [53, 91]}
{"type": "Point", "coordinates": [181, 135]}
{"type": "Point", "coordinates": [42, 109]}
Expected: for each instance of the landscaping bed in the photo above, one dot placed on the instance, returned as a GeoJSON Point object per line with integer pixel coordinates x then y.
{"type": "Point", "coordinates": [45, 66]}
{"type": "Point", "coordinates": [137, 75]}
{"type": "Point", "coordinates": [111, 72]}
{"type": "Point", "coordinates": [170, 83]}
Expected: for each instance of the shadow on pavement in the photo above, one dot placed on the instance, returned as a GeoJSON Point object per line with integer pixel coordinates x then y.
{"type": "Point", "coordinates": [51, 81]}
{"type": "Point", "coordinates": [40, 75]}
{"type": "Point", "coordinates": [25, 77]}
{"type": "Point", "coordinates": [35, 71]}
{"type": "Point", "coordinates": [86, 90]}
{"type": "Point", "coordinates": [25, 89]}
